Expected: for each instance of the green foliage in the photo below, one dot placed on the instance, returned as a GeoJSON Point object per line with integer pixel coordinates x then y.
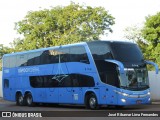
{"type": "Point", "coordinates": [3, 50]}
{"type": "Point", "coordinates": [62, 25]}
{"type": "Point", "coordinates": [151, 32]}
{"type": "Point", "coordinates": [134, 33]}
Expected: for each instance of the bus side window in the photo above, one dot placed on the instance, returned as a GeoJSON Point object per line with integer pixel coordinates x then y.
{"type": "Point", "coordinates": [12, 62]}
{"type": "Point", "coordinates": [64, 54]}
{"type": "Point", "coordinates": [78, 54]}
{"type": "Point", "coordinates": [6, 83]}
{"type": "Point", "coordinates": [86, 81]}
{"type": "Point", "coordinates": [66, 82]}
{"type": "Point", "coordinates": [45, 57]}
{"type": "Point", "coordinates": [49, 82]}
{"type": "Point", "coordinates": [75, 80]}
{"type": "Point", "coordinates": [100, 51]}
{"type": "Point", "coordinates": [34, 58]}
{"type": "Point", "coordinates": [22, 60]}
{"type": "Point", "coordinates": [6, 62]}
{"type": "Point", "coordinates": [36, 81]}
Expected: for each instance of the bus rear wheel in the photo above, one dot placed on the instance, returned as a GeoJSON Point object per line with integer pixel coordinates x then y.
{"type": "Point", "coordinates": [20, 99]}
{"type": "Point", "coordinates": [29, 100]}
{"type": "Point", "coordinates": [92, 102]}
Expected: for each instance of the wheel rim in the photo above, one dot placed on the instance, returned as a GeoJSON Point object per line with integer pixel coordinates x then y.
{"type": "Point", "coordinates": [29, 100]}
{"type": "Point", "coordinates": [20, 99]}
{"type": "Point", "coordinates": [92, 102]}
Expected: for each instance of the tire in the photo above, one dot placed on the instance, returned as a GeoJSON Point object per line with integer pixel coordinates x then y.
{"type": "Point", "coordinates": [20, 100]}
{"type": "Point", "coordinates": [91, 102]}
{"type": "Point", "coordinates": [29, 100]}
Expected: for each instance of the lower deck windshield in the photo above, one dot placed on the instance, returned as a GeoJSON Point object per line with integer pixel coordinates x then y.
{"type": "Point", "coordinates": [137, 78]}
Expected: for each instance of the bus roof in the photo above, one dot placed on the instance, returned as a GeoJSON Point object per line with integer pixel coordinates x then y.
{"type": "Point", "coordinates": [69, 45]}
{"type": "Point", "coordinates": [43, 49]}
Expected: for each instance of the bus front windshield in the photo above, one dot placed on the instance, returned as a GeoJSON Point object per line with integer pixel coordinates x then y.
{"type": "Point", "coordinates": [126, 52]}
{"type": "Point", "coordinates": [137, 79]}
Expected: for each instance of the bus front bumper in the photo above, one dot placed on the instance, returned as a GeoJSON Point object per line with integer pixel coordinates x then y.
{"type": "Point", "coordinates": [134, 100]}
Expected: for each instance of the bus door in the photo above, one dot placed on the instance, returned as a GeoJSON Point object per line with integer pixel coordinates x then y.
{"type": "Point", "coordinates": [111, 80]}
{"type": "Point", "coordinates": [107, 91]}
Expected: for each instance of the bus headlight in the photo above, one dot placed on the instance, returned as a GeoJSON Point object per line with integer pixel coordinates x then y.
{"type": "Point", "coordinates": [148, 93]}
{"type": "Point", "coordinates": [149, 99]}
{"type": "Point", "coordinates": [121, 93]}
{"type": "Point", "coordinates": [124, 94]}
{"type": "Point", "coordinates": [123, 100]}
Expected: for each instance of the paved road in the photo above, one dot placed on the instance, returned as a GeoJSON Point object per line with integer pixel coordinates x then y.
{"type": "Point", "coordinates": [60, 112]}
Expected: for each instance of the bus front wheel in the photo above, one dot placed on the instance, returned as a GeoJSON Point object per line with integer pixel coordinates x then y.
{"type": "Point", "coordinates": [92, 102]}
{"type": "Point", "coordinates": [29, 100]}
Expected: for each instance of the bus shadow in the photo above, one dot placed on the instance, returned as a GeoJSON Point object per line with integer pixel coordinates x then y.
{"type": "Point", "coordinates": [82, 107]}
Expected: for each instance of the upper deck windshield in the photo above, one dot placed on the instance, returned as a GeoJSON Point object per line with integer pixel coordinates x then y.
{"type": "Point", "coordinates": [126, 52]}
{"type": "Point", "coordinates": [121, 51]}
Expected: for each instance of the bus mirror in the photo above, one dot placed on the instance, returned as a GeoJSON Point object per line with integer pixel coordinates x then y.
{"type": "Point", "coordinates": [154, 64]}
{"type": "Point", "coordinates": [120, 65]}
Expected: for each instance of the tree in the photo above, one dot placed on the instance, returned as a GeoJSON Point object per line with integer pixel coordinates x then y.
{"type": "Point", "coordinates": [134, 33]}
{"type": "Point", "coordinates": [62, 25]}
{"type": "Point", "coordinates": [3, 50]}
{"type": "Point", "coordinates": [151, 32]}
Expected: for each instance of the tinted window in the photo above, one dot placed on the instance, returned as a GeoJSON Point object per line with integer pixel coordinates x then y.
{"type": "Point", "coordinates": [71, 80]}
{"type": "Point", "coordinates": [100, 50]}
{"type": "Point", "coordinates": [107, 72]}
{"type": "Point", "coordinates": [22, 60]}
{"type": "Point", "coordinates": [50, 82]}
{"type": "Point", "coordinates": [43, 81]}
{"type": "Point", "coordinates": [75, 80]}
{"type": "Point", "coordinates": [82, 80]}
{"type": "Point", "coordinates": [6, 83]}
{"type": "Point", "coordinates": [66, 82]}
{"type": "Point", "coordinates": [6, 62]}
{"type": "Point", "coordinates": [46, 57]}
{"type": "Point", "coordinates": [64, 55]}
{"type": "Point", "coordinates": [78, 54]}
{"type": "Point", "coordinates": [86, 81]}
{"type": "Point", "coordinates": [36, 81]}
{"type": "Point", "coordinates": [59, 55]}
{"type": "Point", "coordinates": [127, 52]}
{"type": "Point", "coordinates": [34, 58]}
{"type": "Point", "coordinates": [12, 60]}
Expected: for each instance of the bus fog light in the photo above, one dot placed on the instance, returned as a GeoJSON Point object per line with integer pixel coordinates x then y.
{"type": "Point", "coordinates": [149, 99]}
{"type": "Point", "coordinates": [123, 100]}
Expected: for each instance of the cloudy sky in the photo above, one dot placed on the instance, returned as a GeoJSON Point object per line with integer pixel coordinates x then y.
{"type": "Point", "coordinates": [126, 13]}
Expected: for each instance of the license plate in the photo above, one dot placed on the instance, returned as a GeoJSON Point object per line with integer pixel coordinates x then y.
{"type": "Point", "coordinates": [138, 101]}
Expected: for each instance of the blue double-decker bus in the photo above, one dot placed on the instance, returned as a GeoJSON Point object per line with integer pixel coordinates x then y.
{"type": "Point", "coordinates": [89, 73]}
